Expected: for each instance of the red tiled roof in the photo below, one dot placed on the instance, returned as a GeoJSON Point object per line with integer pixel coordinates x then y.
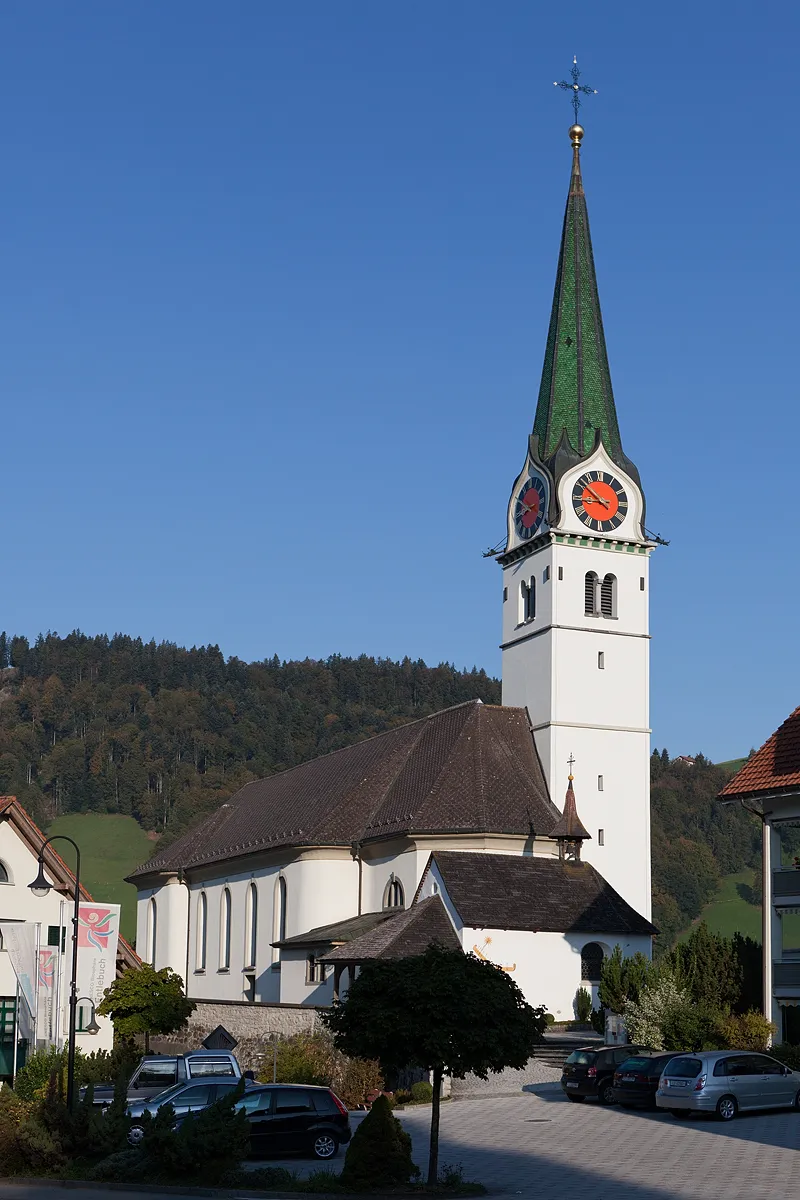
{"type": "Point", "coordinates": [774, 768]}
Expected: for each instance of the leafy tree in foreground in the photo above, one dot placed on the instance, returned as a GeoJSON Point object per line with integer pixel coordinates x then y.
{"type": "Point", "coordinates": [441, 1010]}
{"type": "Point", "coordinates": [143, 1000]}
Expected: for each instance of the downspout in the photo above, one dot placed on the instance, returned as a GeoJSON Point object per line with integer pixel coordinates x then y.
{"type": "Point", "coordinates": [185, 884]}
{"type": "Point", "coordinates": [766, 909]}
{"type": "Point", "coordinates": [355, 852]}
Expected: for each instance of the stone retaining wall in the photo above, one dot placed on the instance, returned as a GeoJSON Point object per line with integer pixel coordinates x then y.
{"type": "Point", "coordinates": [253, 1025]}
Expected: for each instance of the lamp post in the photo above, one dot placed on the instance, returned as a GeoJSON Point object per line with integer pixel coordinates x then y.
{"type": "Point", "coordinates": [41, 887]}
{"type": "Point", "coordinates": [92, 1027]}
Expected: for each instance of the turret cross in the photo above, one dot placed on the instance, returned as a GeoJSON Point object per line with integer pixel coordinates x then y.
{"type": "Point", "coordinates": [575, 87]}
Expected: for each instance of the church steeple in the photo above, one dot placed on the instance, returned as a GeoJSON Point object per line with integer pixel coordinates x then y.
{"type": "Point", "coordinates": [576, 401]}
{"type": "Point", "coordinates": [570, 831]}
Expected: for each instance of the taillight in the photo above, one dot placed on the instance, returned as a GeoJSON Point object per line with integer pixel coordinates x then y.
{"type": "Point", "coordinates": [617, 1077]}
{"type": "Point", "coordinates": [701, 1083]}
{"type": "Point", "coordinates": [592, 1072]}
{"type": "Point", "coordinates": [341, 1107]}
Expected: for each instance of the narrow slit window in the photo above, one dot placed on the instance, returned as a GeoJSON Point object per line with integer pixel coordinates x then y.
{"type": "Point", "coordinates": [601, 837]}
{"type": "Point", "coordinates": [529, 600]}
{"type": "Point", "coordinates": [601, 660]}
{"type": "Point", "coordinates": [641, 583]}
{"type": "Point", "coordinates": [599, 783]}
{"type": "Point", "coordinates": [505, 594]}
{"type": "Point", "coordinates": [560, 572]}
{"type": "Point", "coordinates": [545, 574]}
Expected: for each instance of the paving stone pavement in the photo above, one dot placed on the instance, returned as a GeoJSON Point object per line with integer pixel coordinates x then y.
{"type": "Point", "coordinates": [540, 1145]}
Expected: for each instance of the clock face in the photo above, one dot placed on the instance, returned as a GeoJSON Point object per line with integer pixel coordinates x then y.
{"type": "Point", "coordinates": [529, 506]}
{"type": "Point", "coordinates": [600, 501]}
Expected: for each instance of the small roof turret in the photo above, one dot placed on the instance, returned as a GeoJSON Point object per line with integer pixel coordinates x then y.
{"type": "Point", "coordinates": [570, 831]}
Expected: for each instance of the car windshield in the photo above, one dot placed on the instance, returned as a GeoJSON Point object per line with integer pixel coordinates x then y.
{"type": "Point", "coordinates": [634, 1064]}
{"type": "Point", "coordinates": [683, 1068]}
{"type": "Point", "coordinates": [583, 1058]}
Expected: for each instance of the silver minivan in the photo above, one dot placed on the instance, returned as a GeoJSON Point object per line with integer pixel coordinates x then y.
{"type": "Point", "coordinates": [726, 1082]}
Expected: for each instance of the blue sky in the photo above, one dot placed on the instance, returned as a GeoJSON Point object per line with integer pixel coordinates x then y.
{"type": "Point", "coordinates": [275, 289]}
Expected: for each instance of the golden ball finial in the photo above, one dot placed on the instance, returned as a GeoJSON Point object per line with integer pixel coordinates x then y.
{"type": "Point", "coordinates": [575, 134]}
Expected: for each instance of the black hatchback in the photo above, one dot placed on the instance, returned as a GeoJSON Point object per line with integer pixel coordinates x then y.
{"type": "Point", "coordinates": [590, 1071]}
{"type": "Point", "coordinates": [636, 1080]}
{"type": "Point", "coordinates": [289, 1118]}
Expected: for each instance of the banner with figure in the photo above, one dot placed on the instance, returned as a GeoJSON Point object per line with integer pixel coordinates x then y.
{"type": "Point", "coordinates": [98, 933]}
{"type": "Point", "coordinates": [20, 939]}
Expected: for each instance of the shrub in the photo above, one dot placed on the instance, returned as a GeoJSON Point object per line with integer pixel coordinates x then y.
{"type": "Point", "coordinates": [380, 1153]}
{"type": "Point", "coordinates": [598, 1020]}
{"type": "Point", "coordinates": [645, 1019]}
{"type": "Point", "coordinates": [13, 1113]}
{"type": "Point", "coordinates": [549, 1019]}
{"type": "Point", "coordinates": [32, 1079]}
{"type": "Point", "coordinates": [788, 1055]}
{"type": "Point", "coordinates": [583, 1005]}
{"type": "Point", "coordinates": [207, 1145]}
{"type": "Point", "coordinates": [421, 1092]}
{"type": "Point", "coordinates": [312, 1058]}
{"type": "Point", "coordinates": [749, 1031]}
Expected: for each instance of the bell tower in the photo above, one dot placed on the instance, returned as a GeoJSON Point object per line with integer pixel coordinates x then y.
{"type": "Point", "coordinates": [575, 577]}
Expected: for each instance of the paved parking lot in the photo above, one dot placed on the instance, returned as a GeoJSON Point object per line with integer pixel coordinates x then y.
{"type": "Point", "coordinates": [540, 1145]}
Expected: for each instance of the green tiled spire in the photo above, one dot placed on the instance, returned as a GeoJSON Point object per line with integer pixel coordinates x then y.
{"type": "Point", "coordinates": [575, 395]}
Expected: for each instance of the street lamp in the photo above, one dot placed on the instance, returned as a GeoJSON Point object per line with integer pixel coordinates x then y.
{"type": "Point", "coordinates": [92, 1027]}
{"type": "Point", "coordinates": [41, 887]}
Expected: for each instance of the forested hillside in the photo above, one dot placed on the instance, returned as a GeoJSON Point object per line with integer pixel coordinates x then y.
{"type": "Point", "coordinates": [117, 725]}
{"type": "Point", "coordinates": [164, 734]}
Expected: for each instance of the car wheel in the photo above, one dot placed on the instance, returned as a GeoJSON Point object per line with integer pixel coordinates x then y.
{"type": "Point", "coordinates": [576, 1099]}
{"type": "Point", "coordinates": [727, 1108]}
{"type": "Point", "coordinates": [605, 1093]}
{"type": "Point", "coordinates": [325, 1145]}
{"type": "Point", "coordinates": [135, 1135]}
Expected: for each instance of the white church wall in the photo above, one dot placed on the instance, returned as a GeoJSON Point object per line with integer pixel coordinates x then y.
{"type": "Point", "coordinates": [320, 888]}
{"type": "Point", "coordinates": [546, 966]}
{"type": "Point", "coordinates": [294, 986]}
{"type": "Point", "coordinates": [405, 867]}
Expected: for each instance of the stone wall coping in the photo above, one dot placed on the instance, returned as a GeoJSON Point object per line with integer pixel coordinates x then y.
{"type": "Point", "coordinates": [261, 1006]}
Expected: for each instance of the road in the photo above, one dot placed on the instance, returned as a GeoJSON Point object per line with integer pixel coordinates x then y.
{"type": "Point", "coordinates": [540, 1145]}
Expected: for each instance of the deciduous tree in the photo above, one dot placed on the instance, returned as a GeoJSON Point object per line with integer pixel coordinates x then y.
{"type": "Point", "coordinates": [441, 1010]}
{"type": "Point", "coordinates": [143, 1000]}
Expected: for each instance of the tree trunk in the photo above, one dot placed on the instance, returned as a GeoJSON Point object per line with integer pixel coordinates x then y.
{"type": "Point", "coordinates": [147, 1041]}
{"type": "Point", "coordinates": [433, 1157]}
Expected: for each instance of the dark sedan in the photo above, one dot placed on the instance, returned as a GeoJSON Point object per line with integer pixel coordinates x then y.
{"type": "Point", "coordinates": [590, 1071]}
{"type": "Point", "coordinates": [636, 1080]}
{"type": "Point", "coordinates": [286, 1118]}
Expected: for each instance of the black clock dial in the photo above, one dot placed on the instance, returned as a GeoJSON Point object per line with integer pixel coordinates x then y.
{"type": "Point", "coordinates": [529, 506]}
{"type": "Point", "coordinates": [600, 501]}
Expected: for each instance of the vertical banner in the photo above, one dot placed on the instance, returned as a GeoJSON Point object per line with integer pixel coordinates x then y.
{"type": "Point", "coordinates": [98, 933]}
{"type": "Point", "coordinates": [19, 939]}
{"type": "Point", "coordinates": [47, 1023]}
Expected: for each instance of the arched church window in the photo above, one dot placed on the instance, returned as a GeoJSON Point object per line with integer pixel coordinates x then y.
{"type": "Point", "coordinates": [4, 876]}
{"type": "Point", "coordinates": [152, 930]}
{"type": "Point", "coordinates": [591, 588]}
{"type": "Point", "coordinates": [251, 925]}
{"type": "Point", "coordinates": [591, 962]}
{"type": "Point", "coordinates": [608, 596]}
{"type": "Point", "coordinates": [393, 895]}
{"type": "Point", "coordinates": [202, 932]}
{"type": "Point", "coordinates": [225, 930]}
{"type": "Point", "coordinates": [528, 593]}
{"type": "Point", "coordinates": [278, 916]}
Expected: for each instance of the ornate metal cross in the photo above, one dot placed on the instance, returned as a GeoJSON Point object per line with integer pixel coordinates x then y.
{"type": "Point", "coordinates": [571, 763]}
{"type": "Point", "coordinates": [575, 87]}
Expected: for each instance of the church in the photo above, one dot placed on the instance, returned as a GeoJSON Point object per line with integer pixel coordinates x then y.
{"type": "Point", "coordinates": [520, 832]}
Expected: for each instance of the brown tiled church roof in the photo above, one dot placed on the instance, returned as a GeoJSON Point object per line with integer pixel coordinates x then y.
{"type": "Point", "coordinates": [410, 931]}
{"type": "Point", "coordinates": [774, 768]}
{"type": "Point", "coordinates": [468, 769]}
{"type": "Point", "coordinates": [570, 827]}
{"type": "Point", "coordinates": [547, 895]}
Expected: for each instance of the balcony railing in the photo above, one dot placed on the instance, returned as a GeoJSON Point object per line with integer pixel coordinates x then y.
{"type": "Point", "coordinates": [786, 974]}
{"type": "Point", "coordinates": [786, 883]}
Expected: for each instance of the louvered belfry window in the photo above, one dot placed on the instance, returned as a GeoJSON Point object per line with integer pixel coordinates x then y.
{"type": "Point", "coordinates": [608, 596]}
{"type": "Point", "coordinates": [591, 594]}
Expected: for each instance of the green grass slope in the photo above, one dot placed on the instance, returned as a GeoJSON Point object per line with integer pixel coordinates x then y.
{"type": "Point", "coordinates": [728, 912]}
{"type": "Point", "coordinates": [111, 846]}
